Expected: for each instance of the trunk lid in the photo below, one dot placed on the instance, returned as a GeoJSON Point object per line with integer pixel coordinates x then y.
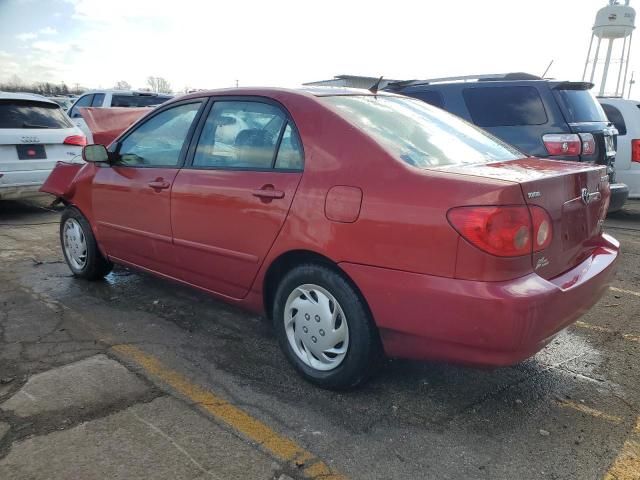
{"type": "Point", "coordinates": [46, 143]}
{"type": "Point", "coordinates": [576, 197]}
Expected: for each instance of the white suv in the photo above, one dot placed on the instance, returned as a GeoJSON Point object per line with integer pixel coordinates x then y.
{"type": "Point", "coordinates": [625, 115]}
{"type": "Point", "coordinates": [112, 98]}
{"type": "Point", "coordinates": [34, 134]}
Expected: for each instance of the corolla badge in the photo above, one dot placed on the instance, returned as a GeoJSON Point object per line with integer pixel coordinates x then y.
{"type": "Point", "coordinates": [587, 197]}
{"type": "Point", "coordinates": [30, 140]}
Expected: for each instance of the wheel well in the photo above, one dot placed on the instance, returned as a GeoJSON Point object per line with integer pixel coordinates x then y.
{"type": "Point", "coordinates": [287, 261]}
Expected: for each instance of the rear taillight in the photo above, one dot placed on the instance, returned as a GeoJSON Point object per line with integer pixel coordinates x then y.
{"type": "Point", "coordinates": [79, 140]}
{"type": "Point", "coordinates": [541, 228]}
{"type": "Point", "coordinates": [588, 144]}
{"type": "Point", "coordinates": [504, 231]}
{"type": "Point", "coordinates": [565, 144]}
{"type": "Point", "coordinates": [635, 151]}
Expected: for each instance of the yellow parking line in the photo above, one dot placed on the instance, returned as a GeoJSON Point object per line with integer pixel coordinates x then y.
{"type": "Point", "coordinates": [253, 429]}
{"type": "Point", "coordinates": [622, 290]}
{"type": "Point", "coordinates": [596, 328]}
{"type": "Point", "coordinates": [589, 411]}
{"type": "Point", "coordinates": [626, 466]}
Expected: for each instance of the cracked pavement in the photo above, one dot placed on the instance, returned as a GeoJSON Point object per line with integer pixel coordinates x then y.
{"type": "Point", "coordinates": [568, 413]}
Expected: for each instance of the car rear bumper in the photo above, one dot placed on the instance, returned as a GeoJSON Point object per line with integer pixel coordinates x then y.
{"type": "Point", "coordinates": [480, 323]}
{"type": "Point", "coordinates": [23, 183]}
{"type": "Point", "coordinates": [619, 195]}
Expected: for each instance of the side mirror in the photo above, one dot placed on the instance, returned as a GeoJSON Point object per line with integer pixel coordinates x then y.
{"type": "Point", "coordinates": [95, 154]}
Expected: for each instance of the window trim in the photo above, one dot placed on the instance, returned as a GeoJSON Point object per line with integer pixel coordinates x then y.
{"type": "Point", "coordinates": [115, 150]}
{"type": "Point", "coordinates": [195, 139]}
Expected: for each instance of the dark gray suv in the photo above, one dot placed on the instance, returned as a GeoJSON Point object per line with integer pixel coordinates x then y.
{"type": "Point", "coordinates": [544, 118]}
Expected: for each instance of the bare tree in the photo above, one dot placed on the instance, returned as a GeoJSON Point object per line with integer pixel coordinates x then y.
{"type": "Point", "coordinates": [122, 85]}
{"type": "Point", "coordinates": [159, 84]}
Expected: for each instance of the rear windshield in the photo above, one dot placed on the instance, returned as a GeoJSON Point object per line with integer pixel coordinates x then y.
{"type": "Point", "coordinates": [505, 106]}
{"type": "Point", "coordinates": [32, 114]}
{"type": "Point", "coordinates": [580, 106]}
{"type": "Point", "coordinates": [138, 100]}
{"type": "Point", "coordinates": [615, 116]}
{"type": "Point", "coordinates": [419, 134]}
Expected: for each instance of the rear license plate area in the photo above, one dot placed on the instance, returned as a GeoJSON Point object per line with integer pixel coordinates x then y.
{"type": "Point", "coordinates": [31, 152]}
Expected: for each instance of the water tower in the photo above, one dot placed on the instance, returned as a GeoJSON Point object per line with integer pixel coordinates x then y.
{"type": "Point", "coordinates": [613, 22]}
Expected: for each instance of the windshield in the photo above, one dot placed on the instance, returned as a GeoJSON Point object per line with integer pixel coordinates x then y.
{"type": "Point", "coordinates": [32, 114]}
{"type": "Point", "coordinates": [138, 100]}
{"type": "Point", "coordinates": [419, 134]}
{"type": "Point", "coordinates": [580, 106]}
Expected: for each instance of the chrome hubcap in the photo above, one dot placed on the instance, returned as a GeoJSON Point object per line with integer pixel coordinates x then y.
{"type": "Point", "coordinates": [316, 327]}
{"type": "Point", "coordinates": [75, 244]}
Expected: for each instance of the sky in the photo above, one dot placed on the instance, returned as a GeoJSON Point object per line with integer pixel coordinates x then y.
{"type": "Point", "coordinates": [212, 44]}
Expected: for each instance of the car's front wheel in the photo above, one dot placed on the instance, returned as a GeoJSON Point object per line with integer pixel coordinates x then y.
{"type": "Point", "coordinates": [324, 327]}
{"type": "Point", "coordinates": [80, 248]}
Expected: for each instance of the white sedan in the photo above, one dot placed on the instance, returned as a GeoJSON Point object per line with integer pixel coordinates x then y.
{"type": "Point", "coordinates": [35, 133]}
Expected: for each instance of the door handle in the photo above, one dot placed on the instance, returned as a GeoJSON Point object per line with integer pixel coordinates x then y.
{"type": "Point", "coordinates": [268, 193]}
{"type": "Point", "coordinates": [159, 184]}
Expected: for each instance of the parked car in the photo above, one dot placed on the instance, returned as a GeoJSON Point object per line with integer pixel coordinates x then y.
{"type": "Point", "coordinates": [357, 222]}
{"type": "Point", "coordinates": [34, 134]}
{"type": "Point", "coordinates": [625, 115]}
{"type": "Point", "coordinates": [112, 98]}
{"type": "Point", "coordinates": [64, 102]}
{"type": "Point", "coordinates": [543, 118]}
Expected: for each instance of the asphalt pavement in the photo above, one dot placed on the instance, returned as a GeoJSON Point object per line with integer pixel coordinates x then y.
{"type": "Point", "coordinates": [135, 377]}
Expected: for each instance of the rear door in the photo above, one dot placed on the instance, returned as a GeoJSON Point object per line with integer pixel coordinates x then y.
{"type": "Point", "coordinates": [229, 204]}
{"type": "Point", "coordinates": [131, 197]}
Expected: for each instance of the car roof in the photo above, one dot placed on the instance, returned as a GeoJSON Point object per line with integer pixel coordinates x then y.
{"type": "Point", "coordinates": [618, 100]}
{"type": "Point", "coordinates": [24, 96]}
{"type": "Point", "coordinates": [277, 92]}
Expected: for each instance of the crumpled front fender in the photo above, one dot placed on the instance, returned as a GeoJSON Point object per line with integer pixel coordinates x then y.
{"type": "Point", "coordinates": [61, 182]}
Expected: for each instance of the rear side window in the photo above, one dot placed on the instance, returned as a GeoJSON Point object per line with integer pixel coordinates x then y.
{"type": "Point", "coordinates": [431, 97]}
{"type": "Point", "coordinates": [245, 134]}
{"type": "Point", "coordinates": [505, 106]}
{"type": "Point", "coordinates": [138, 100]}
{"type": "Point", "coordinates": [32, 114]}
{"type": "Point", "coordinates": [615, 117]}
{"type": "Point", "coordinates": [580, 106]}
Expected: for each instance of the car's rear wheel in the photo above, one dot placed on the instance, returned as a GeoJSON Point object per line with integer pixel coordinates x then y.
{"type": "Point", "coordinates": [324, 327]}
{"type": "Point", "coordinates": [80, 248]}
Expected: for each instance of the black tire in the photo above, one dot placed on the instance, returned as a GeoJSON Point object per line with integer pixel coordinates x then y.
{"type": "Point", "coordinates": [363, 351]}
{"type": "Point", "coordinates": [96, 265]}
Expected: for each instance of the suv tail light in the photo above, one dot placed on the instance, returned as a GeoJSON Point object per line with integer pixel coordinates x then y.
{"type": "Point", "coordinates": [588, 144]}
{"type": "Point", "coordinates": [635, 151]}
{"type": "Point", "coordinates": [504, 231]}
{"type": "Point", "coordinates": [79, 140]}
{"type": "Point", "coordinates": [565, 144]}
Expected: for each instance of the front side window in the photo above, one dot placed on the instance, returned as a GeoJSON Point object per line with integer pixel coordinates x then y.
{"type": "Point", "coordinates": [84, 101]}
{"type": "Point", "coordinates": [240, 134]}
{"type": "Point", "coordinates": [119, 100]}
{"type": "Point", "coordinates": [505, 106]}
{"type": "Point", "coordinates": [158, 142]}
{"type": "Point", "coordinates": [419, 134]}
{"type": "Point", "coordinates": [98, 99]}
{"type": "Point", "coordinates": [32, 114]}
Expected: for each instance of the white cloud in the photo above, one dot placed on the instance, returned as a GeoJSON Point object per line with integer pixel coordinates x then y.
{"type": "Point", "coordinates": [24, 37]}
{"type": "Point", "coordinates": [48, 31]}
{"type": "Point", "coordinates": [50, 47]}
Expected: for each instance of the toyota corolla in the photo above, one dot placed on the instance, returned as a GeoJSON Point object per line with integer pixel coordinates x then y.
{"type": "Point", "coordinates": [360, 223]}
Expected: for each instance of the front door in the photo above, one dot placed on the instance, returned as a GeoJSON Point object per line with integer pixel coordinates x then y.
{"type": "Point", "coordinates": [131, 198]}
{"type": "Point", "coordinates": [230, 201]}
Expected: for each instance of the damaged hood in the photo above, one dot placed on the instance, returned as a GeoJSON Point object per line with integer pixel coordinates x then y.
{"type": "Point", "coordinates": [106, 124]}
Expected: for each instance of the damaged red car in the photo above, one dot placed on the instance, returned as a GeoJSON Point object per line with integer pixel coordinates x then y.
{"type": "Point", "coordinates": [361, 224]}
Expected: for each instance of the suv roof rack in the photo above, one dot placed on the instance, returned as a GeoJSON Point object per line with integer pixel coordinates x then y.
{"type": "Point", "coordinates": [491, 77]}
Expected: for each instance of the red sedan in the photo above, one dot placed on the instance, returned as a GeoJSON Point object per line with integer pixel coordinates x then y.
{"type": "Point", "coordinates": [359, 223]}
